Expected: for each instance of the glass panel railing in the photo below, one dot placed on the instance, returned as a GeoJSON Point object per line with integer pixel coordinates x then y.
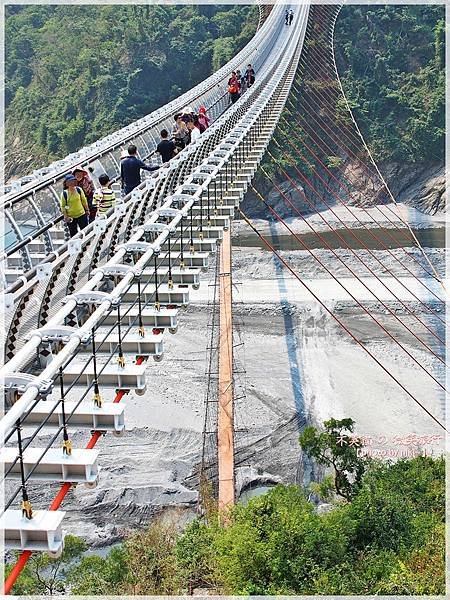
{"type": "Point", "coordinates": [47, 203]}
{"type": "Point", "coordinates": [110, 166]}
{"type": "Point", "coordinates": [10, 236]}
{"type": "Point", "coordinates": [25, 216]}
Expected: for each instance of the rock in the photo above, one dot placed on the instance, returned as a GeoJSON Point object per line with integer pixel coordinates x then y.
{"type": "Point", "coordinates": [324, 508]}
{"type": "Point", "coordinates": [421, 186]}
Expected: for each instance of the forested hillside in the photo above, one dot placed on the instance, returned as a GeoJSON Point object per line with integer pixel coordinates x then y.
{"type": "Point", "coordinates": [391, 60]}
{"type": "Point", "coordinates": [76, 73]}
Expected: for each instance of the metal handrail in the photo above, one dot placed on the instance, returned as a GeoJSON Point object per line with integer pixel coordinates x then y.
{"type": "Point", "coordinates": [28, 276]}
{"type": "Point", "coordinates": [133, 130]}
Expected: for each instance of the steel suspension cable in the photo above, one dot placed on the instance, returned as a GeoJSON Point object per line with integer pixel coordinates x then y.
{"type": "Point", "coordinates": [347, 228]}
{"type": "Point", "coordinates": [377, 173]}
{"type": "Point", "coordinates": [341, 170]}
{"type": "Point", "coordinates": [345, 188]}
{"type": "Point", "coordinates": [301, 192]}
{"type": "Point", "coordinates": [336, 318]}
{"type": "Point", "coordinates": [57, 501]}
{"type": "Point", "coordinates": [322, 239]}
{"type": "Point", "coordinates": [349, 209]}
{"type": "Point", "coordinates": [378, 170]}
{"type": "Point", "coordinates": [351, 155]}
{"type": "Point", "coordinates": [317, 108]}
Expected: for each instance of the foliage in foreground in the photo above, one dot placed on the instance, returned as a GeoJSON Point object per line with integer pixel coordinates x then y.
{"type": "Point", "coordinates": [389, 539]}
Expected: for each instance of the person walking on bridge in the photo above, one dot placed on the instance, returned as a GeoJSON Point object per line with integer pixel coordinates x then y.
{"type": "Point", "coordinates": [180, 132]}
{"type": "Point", "coordinates": [74, 205]}
{"type": "Point", "coordinates": [105, 197]}
{"type": "Point", "coordinates": [250, 76]}
{"type": "Point", "coordinates": [194, 131]}
{"type": "Point", "coordinates": [286, 17]}
{"type": "Point", "coordinates": [85, 183]}
{"type": "Point", "coordinates": [203, 117]}
{"type": "Point", "coordinates": [166, 147]}
{"type": "Point", "coordinates": [291, 16]}
{"type": "Point", "coordinates": [130, 170]}
{"type": "Point", "coordinates": [233, 88]}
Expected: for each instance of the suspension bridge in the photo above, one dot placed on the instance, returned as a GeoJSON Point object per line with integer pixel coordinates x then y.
{"type": "Point", "coordinates": [84, 316]}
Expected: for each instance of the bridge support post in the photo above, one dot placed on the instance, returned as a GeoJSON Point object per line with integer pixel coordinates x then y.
{"type": "Point", "coordinates": [225, 422]}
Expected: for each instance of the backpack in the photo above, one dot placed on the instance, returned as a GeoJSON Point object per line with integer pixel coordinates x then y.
{"type": "Point", "coordinates": [233, 88]}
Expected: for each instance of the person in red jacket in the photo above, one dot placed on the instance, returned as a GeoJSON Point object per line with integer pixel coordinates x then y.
{"type": "Point", "coordinates": [203, 117]}
{"type": "Point", "coordinates": [233, 87]}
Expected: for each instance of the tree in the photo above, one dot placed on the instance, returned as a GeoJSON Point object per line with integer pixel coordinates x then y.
{"type": "Point", "coordinates": [197, 566]}
{"type": "Point", "coordinates": [335, 448]}
{"type": "Point", "coordinates": [77, 73]}
{"type": "Point", "coordinates": [45, 575]}
{"type": "Point", "coordinates": [151, 561]}
{"type": "Point", "coordinates": [95, 575]}
{"type": "Point", "coordinates": [391, 65]}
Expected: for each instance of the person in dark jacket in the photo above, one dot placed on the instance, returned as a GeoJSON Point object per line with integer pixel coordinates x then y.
{"type": "Point", "coordinates": [250, 76]}
{"type": "Point", "coordinates": [130, 170]}
{"type": "Point", "coordinates": [166, 147]}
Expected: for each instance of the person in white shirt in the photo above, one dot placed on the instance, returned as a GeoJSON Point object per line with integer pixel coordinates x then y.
{"type": "Point", "coordinates": [193, 130]}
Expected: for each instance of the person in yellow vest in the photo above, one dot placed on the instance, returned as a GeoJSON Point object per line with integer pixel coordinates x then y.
{"type": "Point", "coordinates": [105, 197]}
{"type": "Point", "coordinates": [74, 205]}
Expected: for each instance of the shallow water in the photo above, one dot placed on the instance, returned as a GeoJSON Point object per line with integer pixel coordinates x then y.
{"type": "Point", "coordinates": [253, 492]}
{"type": "Point", "coordinates": [374, 239]}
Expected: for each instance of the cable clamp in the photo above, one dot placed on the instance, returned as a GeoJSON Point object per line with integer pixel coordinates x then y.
{"type": "Point", "coordinates": [152, 227]}
{"type": "Point", "coordinates": [222, 154]}
{"type": "Point", "coordinates": [44, 271]}
{"type": "Point", "coordinates": [67, 447]}
{"type": "Point", "coordinates": [227, 146]}
{"type": "Point", "coordinates": [61, 334]}
{"type": "Point", "coordinates": [191, 189]}
{"type": "Point", "coordinates": [114, 270]}
{"type": "Point", "coordinates": [180, 199]}
{"type": "Point", "coordinates": [98, 401]}
{"type": "Point", "coordinates": [92, 298]}
{"type": "Point", "coordinates": [208, 169]}
{"type": "Point", "coordinates": [135, 247]}
{"type": "Point", "coordinates": [21, 382]}
{"type": "Point", "coordinates": [27, 510]}
{"type": "Point", "coordinates": [168, 212]}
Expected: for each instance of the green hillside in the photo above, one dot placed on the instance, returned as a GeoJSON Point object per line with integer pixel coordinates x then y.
{"type": "Point", "coordinates": [77, 73]}
{"type": "Point", "coordinates": [391, 59]}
